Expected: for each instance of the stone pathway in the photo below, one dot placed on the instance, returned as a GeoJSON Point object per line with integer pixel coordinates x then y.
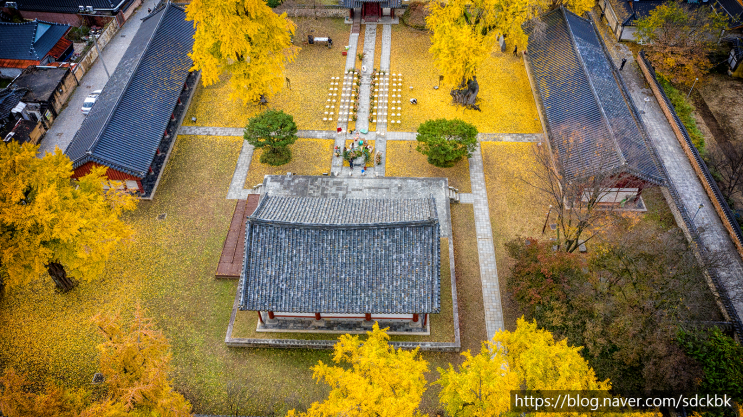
{"type": "Point", "coordinates": [237, 192]}
{"type": "Point", "coordinates": [370, 38]}
{"type": "Point", "coordinates": [485, 248]}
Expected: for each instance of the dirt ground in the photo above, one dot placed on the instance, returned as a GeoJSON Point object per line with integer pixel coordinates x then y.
{"type": "Point", "coordinates": [721, 107]}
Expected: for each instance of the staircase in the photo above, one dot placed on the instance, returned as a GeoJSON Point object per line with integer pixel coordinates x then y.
{"type": "Point", "coordinates": [453, 194]}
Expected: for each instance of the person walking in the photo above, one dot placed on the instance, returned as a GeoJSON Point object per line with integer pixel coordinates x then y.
{"type": "Point", "coordinates": [624, 61]}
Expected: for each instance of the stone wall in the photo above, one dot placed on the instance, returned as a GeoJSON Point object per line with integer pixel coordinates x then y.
{"type": "Point", "coordinates": [668, 112]}
{"type": "Point", "coordinates": [87, 60]}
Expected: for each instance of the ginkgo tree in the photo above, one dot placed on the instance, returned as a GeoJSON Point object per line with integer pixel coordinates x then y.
{"type": "Point", "coordinates": [466, 32]}
{"type": "Point", "coordinates": [527, 359]}
{"type": "Point", "coordinates": [50, 223]}
{"type": "Point", "coordinates": [379, 380]}
{"type": "Point", "coordinates": [245, 38]}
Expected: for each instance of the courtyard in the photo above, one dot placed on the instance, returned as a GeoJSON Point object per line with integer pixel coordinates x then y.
{"type": "Point", "coordinates": [169, 266]}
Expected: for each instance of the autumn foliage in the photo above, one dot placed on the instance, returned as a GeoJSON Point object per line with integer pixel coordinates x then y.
{"type": "Point", "coordinates": [46, 219]}
{"type": "Point", "coordinates": [680, 38]}
{"type": "Point", "coordinates": [466, 32]}
{"type": "Point", "coordinates": [379, 380]}
{"type": "Point", "coordinates": [245, 38]}
{"type": "Point", "coordinates": [134, 360]}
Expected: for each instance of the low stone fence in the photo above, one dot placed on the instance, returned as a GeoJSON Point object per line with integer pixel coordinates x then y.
{"type": "Point", "coordinates": [710, 186]}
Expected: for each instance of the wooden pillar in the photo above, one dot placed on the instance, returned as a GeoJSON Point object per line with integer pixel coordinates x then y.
{"type": "Point", "coordinates": [415, 317]}
{"type": "Point", "coordinates": [367, 316]}
{"type": "Point", "coordinates": [392, 12]}
{"type": "Point", "coordinates": [139, 184]}
{"type": "Point", "coordinates": [350, 12]}
{"type": "Point", "coordinates": [260, 317]}
{"type": "Point", "coordinates": [271, 315]}
{"type": "Point", "coordinates": [425, 319]}
{"type": "Point", "coordinates": [318, 316]}
{"type": "Point", "coordinates": [639, 190]}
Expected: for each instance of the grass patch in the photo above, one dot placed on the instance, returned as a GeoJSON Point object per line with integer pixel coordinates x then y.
{"type": "Point", "coordinates": [685, 111]}
{"type": "Point", "coordinates": [309, 157]}
{"type": "Point", "coordinates": [467, 269]}
{"type": "Point", "coordinates": [516, 208]}
{"type": "Point", "coordinates": [404, 161]}
{"type": "Point", "coordinates": [310, 79]}
{"type": "Point", "coordinates": [505, 95]}
{"type": "Point", "coordinates": [442, 324]}
{"type": "Point", "coordinates": [658, 211]}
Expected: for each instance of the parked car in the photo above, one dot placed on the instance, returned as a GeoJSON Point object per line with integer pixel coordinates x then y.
{"type": "Point", "coordinates": [90, 100]}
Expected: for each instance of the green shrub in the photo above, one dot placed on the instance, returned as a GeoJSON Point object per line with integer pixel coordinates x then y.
{"type": "Point", "coordinates": [274, 131]}
{"type": "Point", "coordinates": [684, 109]}
{"type": "Point", "coordinates": [446, 142]}
{"type": "Point", "coordinates": [722, 360]}
{"type": "Point", "coordinates": [274, 3]}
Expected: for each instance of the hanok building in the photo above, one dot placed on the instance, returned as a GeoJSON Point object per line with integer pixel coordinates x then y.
{"type": "Point", "coordinates": [319, 260]}
{"type": "Point", "coordinates": [622, 15]}
{"type": "Point", "coordinates": [371, 10]}
{"type": "Point", "coordinates": [131, 127]}
{"type": "Point", "coordinates": [48, 89]}
{"type": "Point", "coordinates": [32, 43]}
{"type": "Point", "coordinates": [72, 12]}
{"type": "Point", "coordinates": [593, 129]}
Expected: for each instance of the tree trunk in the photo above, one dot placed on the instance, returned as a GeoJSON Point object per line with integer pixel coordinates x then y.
{"type": "Point", "coordinates": [59, 276]}
{"type": "Point", "coordinates": [466, 93]}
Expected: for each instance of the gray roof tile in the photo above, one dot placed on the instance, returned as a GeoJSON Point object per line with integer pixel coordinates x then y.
{"type": "Point", "coordinates": [590, 125]}
{"type": "Point", "coordinates": [361, 256]}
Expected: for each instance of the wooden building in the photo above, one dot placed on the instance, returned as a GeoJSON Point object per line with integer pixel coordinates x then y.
{"type": "Point", "coordinates": [342, 260]}
{"type": "Point", "coordinates": [130, 128]}
{"type": "Point", "coordinates": [588, 117]}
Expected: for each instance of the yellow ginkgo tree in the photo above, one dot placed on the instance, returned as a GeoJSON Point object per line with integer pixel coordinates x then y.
{"type": "Point", "coordinates": [379, 380]}
{"type": "Point", "coordinates": [466, 32]}
{"type": "Point", "coordinates": [528, 359]}
{"type": "Point", "coordinates": [49, 223]}
{"type": "Point", "coordinates": [245, 38]}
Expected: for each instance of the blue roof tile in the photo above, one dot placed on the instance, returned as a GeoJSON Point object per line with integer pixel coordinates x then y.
{"type": "Point", "coordinates": [30, 40]}
{"type": "Point", "coordinates": [127, 123]}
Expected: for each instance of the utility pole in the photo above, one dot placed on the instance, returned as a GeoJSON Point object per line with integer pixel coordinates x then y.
{"type": "Point", "coordinates": [100, 55]}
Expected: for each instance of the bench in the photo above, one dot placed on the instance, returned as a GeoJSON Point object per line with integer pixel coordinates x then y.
{"type": "Point", "coordinates": [312, 39]}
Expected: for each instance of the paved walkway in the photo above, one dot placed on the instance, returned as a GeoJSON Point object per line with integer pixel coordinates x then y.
{"type": "Point", "coordinates": [485, 248]}
{"type": "Point", "coordinates": [370, 38]}
{"type": "Point", "coordinates": [71, 117]}
{"type": "Point", "coordinates": [712, 233]}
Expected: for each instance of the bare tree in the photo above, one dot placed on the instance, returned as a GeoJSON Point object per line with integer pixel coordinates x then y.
{"type": "Point", "coordinates": [727, 162]}
{"type": "Point", "coordinates": [578, 202]}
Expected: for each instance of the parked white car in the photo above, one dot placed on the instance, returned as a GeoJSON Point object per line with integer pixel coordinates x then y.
{"type": "Point", "coordinates": [90, 100]}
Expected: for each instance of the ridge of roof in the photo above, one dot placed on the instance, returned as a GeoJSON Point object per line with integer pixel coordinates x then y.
{"type": "Point", "coordinates": [604, 118]}
{"type": "Point", "coordinates": [92, 146]}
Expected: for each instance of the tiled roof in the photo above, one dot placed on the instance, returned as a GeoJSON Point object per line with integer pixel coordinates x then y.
{"type": "Point", "coordinates": [125, 126]}
{"type": "Point", "coordinates": [342, 261]}
{"type": "Point", "coordinates": [590, 125]}
{"type": "Point", "coordinates": [40, 82]}
{"type": "Point", "coordinates": [9, 98]}
{"type": "Point", "coordinates": [30, 40]}
{"type": "Point", "coordinates": [734, 10]}
{"type": "Point", "coordinates": [622, 9]}
{"type": "Point", "coordinates": [67, 6]}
